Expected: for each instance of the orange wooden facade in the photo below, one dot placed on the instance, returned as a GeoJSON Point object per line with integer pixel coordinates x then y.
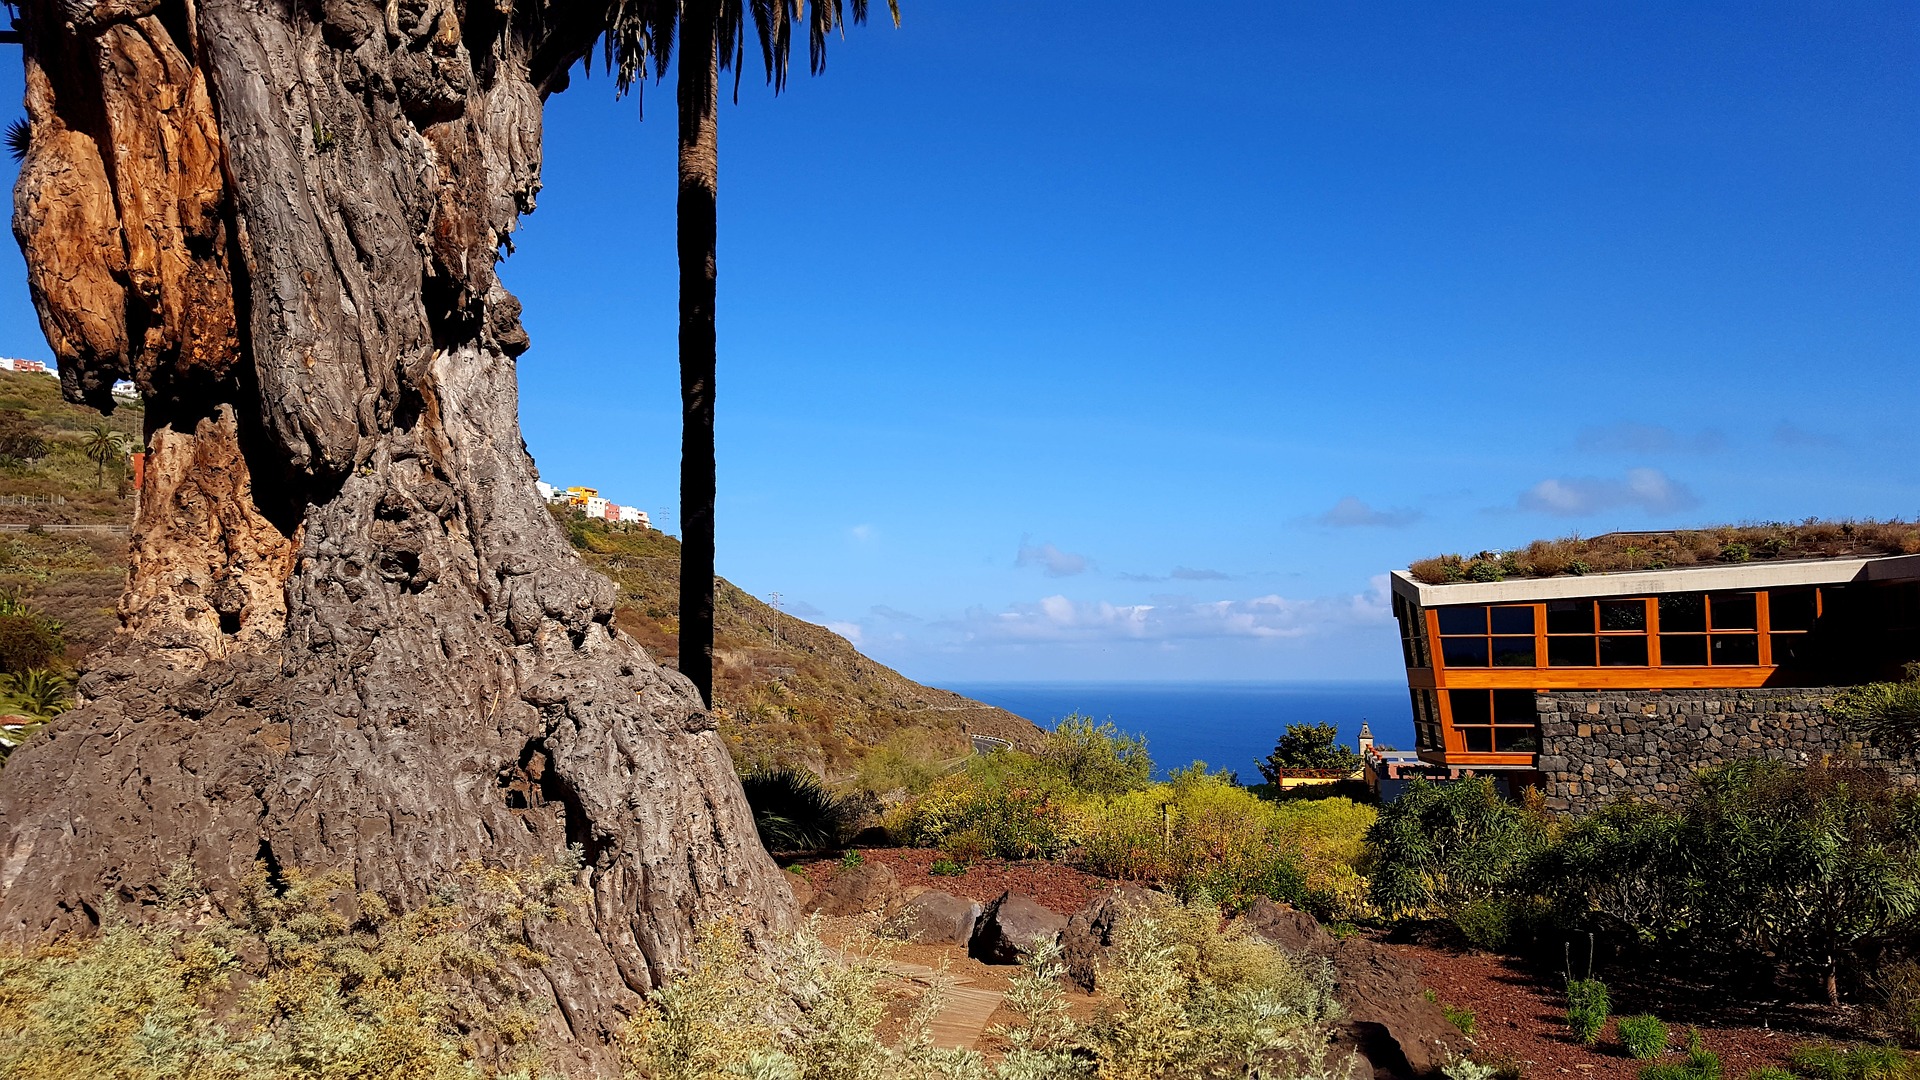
{"type": "Point", "coordinates": [1642, 642]}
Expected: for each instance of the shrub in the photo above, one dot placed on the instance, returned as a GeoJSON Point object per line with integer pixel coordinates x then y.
{"type": "Point", "coordinates": [1823, 1061]}
{"type": "Point", "coordinates": [1587, 1009]}
{"type": "Point", "coordinates": [1194, 999]}
{"type": "Point", "coordinates": [1190, 999]}
{"type": "Point", "coordinates": [1887, 712]}
{"type": "Point", "coordinates": [380, 993]}
{"type": "Point", "coordinates": [1202, 836]}
{"type": "Point", "coordinates": [853, 857]}
{"type": "Point", "coordinates": [1643, 1037]}
{"type": "Point", "coordinates": [944, 867]}
{"type": "Point", "coordinates": [1096, 759]}
{"type": "Point", "coordinates": [28, 641]}
{"type": "Point", "coordinates": [793, 810]}
{"type": "Point", "coordinates": [1309, 746]}
{"type": "Point", "coordinates": [1701, 1064]}
{"type": "Point", "coordinates": [1460, 1018]}
{"type": "Point", "coordinates": [37, 692]}
{"type": "Point", "coordinates": [1000, 806]}
{"type": "Point", "coordinates": [1441, 846]}
{"type": "Point", "coordinates": [1485, 924]}
{"type": "Point", "coordinates": [1896, 1005]}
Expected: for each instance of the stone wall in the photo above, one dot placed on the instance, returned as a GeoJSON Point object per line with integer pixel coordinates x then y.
{"type": "Point", "coordinates": [1597, 746]}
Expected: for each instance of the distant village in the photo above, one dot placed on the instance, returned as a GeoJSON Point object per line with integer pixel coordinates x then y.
{"type": "Point", "coordinates": [587, 501]}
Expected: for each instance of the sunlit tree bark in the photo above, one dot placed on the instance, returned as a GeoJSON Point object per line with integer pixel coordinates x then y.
{"type": "Point", "coordinates": [354, 637]}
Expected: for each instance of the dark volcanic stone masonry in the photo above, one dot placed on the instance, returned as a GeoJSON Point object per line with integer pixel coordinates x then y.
{"type": "Point", "coordinates": [1597, 746]}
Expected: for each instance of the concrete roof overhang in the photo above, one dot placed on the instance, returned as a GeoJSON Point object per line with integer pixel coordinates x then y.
{"type": "Point", "coordinates": [1774, 574]}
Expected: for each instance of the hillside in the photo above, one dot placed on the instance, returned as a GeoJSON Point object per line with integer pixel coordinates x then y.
{"type": "Point", "coordinates": [63, 519]}
{"type": "Point", "coordinates": [786, 690]}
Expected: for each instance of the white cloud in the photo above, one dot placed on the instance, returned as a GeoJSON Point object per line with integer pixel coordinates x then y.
{"type": "Point", "coordinates": [1051, 560]}
{"type": "Point", "coordinates": [1645, 489]}
{"type": "Point", "coordinates": [1351, 512]}
{"type": "Point", "coordinates": [1061, 619]}
{"type": "Point", "coordinates": [848, 630]}
{"type": "Point", "coordinates": [893, 614]}
{"type": "Point", "coordinates": [861, 533]}
{"type": "Point", "coordinates": [1183, 573]}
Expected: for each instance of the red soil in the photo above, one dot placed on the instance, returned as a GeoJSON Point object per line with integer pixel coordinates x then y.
{"type": "Point", "coordinates": [1518, 1017]}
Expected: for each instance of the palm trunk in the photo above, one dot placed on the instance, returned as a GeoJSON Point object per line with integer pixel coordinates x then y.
{"type": "Point", "coordinates": [698, 99]}
{"type": "Point", "coordinates": [355, 638]}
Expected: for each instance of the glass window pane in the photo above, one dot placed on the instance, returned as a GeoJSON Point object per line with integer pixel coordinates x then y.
{"type": "Point", "coordinates": [1734, 611]}
{"type": "Point", "coordinates": [1683, 650]}
{"type": "Point", "coordinates": [1623, 614]}
{"type": "Point", "coordinates": [1683, 612]}
{"type": "Point", "coordinates": [1478, 739]}
{"type": "Point", "coordinates": [1464, 651]}
{"type": "Point", "coordinates": [1470, 707]}
{"type": "Point", "coordinates": [1513, 652]}
{"type": "Point", "coordinates": [1463, 620]}
{"type": "Point", "coordinates": [1790, 609]}
{"type": "Point", "coordinates": [1736, 649]}
{"type": "Point", "coordinates": [1789, 649]}
{"type": "Point", "coordinates": [1570, 652]}
{"type": "Point", "coordinates": [1570, 617]}
{"type": "Point", "coordinates": [1515, 707]}
{"type": "Point", "coordinates": [1513, 620]}
{"type": "Point", "coordinates": [1624, 650]}
{"type": "Point", "coordinates": [1516, 740]}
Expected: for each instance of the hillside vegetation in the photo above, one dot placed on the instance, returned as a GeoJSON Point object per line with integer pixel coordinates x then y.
{"type": "Point", "coordinates": [786, 691]}
{"type": "Point", "coordinates": [63, 517]}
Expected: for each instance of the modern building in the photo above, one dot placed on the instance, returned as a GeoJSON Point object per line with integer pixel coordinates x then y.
{"type": "Point", "coordinates": [633, 515]}
{"type": "Point", "coordinates": [1603, 685]}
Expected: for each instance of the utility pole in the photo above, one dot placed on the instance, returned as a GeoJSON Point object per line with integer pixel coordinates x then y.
{"type": "Point", "coordinates": [773, 624]}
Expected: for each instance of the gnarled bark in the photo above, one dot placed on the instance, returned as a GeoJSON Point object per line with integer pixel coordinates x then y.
{"type": "Point", "coordinates": [355, 638]}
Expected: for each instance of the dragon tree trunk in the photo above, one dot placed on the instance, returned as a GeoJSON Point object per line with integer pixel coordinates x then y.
{"type": "Point", "coordinates": [354, 638]}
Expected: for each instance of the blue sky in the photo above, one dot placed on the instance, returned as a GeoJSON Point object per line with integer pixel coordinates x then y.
{"type": "Point", "coordinates": [1077, 341]}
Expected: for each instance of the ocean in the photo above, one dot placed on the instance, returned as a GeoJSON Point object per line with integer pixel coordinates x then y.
{"type": "Point", "coordinates": [1227, 725]}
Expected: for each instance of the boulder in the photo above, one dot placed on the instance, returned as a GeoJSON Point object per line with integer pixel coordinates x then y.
{"type": "Point", "coordinates": [935, 918]}
{"type": "Point", "coordinates": [1010, 927]}
{"type": "Point", "coordinates": [1294, 931]}
{"type": "Point", "coordinates": [801, 888]}
{"type": "Point", "coordinates": [855, 890]}
{"type": "Point", "coordinates": [1389, 1020]}
{"type": "Point", "coordinates": [1089, 932]}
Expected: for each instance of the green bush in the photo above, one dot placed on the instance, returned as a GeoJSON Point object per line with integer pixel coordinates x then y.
{"type": "Point", "coordinates": [1701, 1064]}
{"type": "Point", "coordinates": [1811, 867]}
{"type": "Point", "coordinates": [312, 992]}
{"type": "Point", "coordinates": [1460, 1018]}
{"type": "Point", "coordinates": [1486, 923]}
{"type": "Point", "coordinates": [1096, 759]}
{"type": "Point", "coordinates": [1199, 836]}
{"type": "Point", "coordinates": [1438, 847]}
{"type": "Point", "coordinates": [1309, 746]}
{"type": "Point", "coordinates": [1001, 805]}
{"type": "Point", "coordinates": [793, 810]}
{"type": "Point", "coordinates": [1643, 1037]}
{"type": "Point", "coordinates": [945, 867]}
{"type": "Point", "coordinates": [1824, 1061]}
{"type": "Point", "coordinates": [28, 641]}
{"type": "Point", "coordinates": [1187, 998]}
{"type": "Point", "coordinates": [1587, 1009]}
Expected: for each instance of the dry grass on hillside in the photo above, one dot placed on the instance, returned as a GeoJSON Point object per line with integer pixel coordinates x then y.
{"type": "Point", "coordinates": [1810, 539]}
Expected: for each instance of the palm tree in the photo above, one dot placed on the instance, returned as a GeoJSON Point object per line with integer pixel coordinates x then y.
{"type": "Point", "coordinates": [711, 38]}
{"type": "Point", "coordinates": [103, 444]}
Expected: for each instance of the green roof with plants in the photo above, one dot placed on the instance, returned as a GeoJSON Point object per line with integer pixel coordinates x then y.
{"type": "Point", "coordinates": [1718, 545]}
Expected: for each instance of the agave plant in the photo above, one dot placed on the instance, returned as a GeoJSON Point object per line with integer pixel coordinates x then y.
{"type": "Point", "coordinates": [39, 692]}
{"type": "Point", "coordinates": [793, 810]}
